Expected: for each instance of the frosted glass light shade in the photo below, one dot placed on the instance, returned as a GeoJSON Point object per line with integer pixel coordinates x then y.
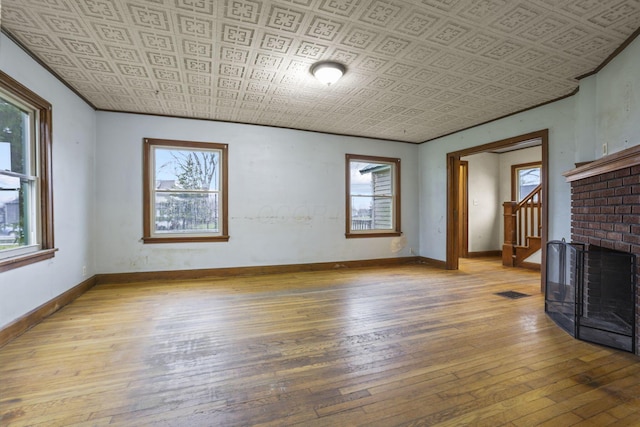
{"type": "Point", "coordinates": [328, 72]}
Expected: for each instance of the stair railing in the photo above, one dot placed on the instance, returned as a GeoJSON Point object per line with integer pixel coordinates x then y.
{"type": "Point", "coordinates": [521, 221]}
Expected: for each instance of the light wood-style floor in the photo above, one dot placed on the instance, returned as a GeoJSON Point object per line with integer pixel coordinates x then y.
{"type": "Point", "coordinates": [398, 346]}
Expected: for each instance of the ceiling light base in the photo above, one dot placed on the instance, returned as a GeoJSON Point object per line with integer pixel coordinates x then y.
{"type": "Point", "coordinates": [328, 72]}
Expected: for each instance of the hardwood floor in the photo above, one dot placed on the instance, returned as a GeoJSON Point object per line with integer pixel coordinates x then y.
{"type": "Point", "coordinates": [401, 346]}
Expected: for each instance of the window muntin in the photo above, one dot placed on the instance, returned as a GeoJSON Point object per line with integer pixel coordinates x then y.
{"type": "Point", "coordinates": [26, 212]}
{"type": "Point", "coordinates": [373, 196]}
{"type": "Point", "coordinates": [185, 191]}
{"type": "Point", "coordinates": [525, 178]}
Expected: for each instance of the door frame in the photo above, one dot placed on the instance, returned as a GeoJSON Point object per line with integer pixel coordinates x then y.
{"type": "Point", "coordinates": [453, 208]}
{"type": "Point", "coordinates": [463, 200]}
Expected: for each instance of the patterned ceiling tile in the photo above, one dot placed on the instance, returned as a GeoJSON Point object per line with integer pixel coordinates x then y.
{"type": "Point", "coordinates": [101, 9]}
{"type": "Point", "coordinates": [447, 80]}
{"type": "Point", "coordinates": [548, 27]}
{"type": "Point", "coordinates": [358, 38]}
{"type": "Point", "coordinates": [449, 33]}
{"type": "Point", "coordinates": [243, 10]}
{"type": "Point", "coordinates": [154, 41]}
{"type": "Point", "coordinates": [381, 13]}
{"type": "Point", "coordinates": [582, 8]}
{"type": "Point", "coordinates": [444, 5]}
{"type": "Point", "coordinates": [20, 17]}
{"type": "Point", "coordinates": [423, 75]}
{"type": "Point", "coordinates": [323, 28]}
{"type": "Point", "coordinates": [343, 8]}
{"type": "Point", "coordinates": [503, 51]}
{"type": "Point", "coordinates": [40, 42]}
{"type": "Point", "coordinates": [448, 61]}
{"type": "Point", "coordinates": [477, 42]}
{"type": "Point", "coordinates": [284, 19]}
{"type": "Point", "coordinates": [567, 38]}
{"type": "Point", "coordinates": [417, 23]}
{"type": "Point", "coordinates": [236, 35]}
{"type": "Point", "coordinates": [64, 25]}
{"type": "Point", "coordinates": [151, 18]}
{"type": "Point", "coordinates": [481, 10]}
{"type": "Point", "coordinates": [475, 67]}
{"type": "Point", "coordinates": [515, 19]}
{"type": "Point", "coordinates": [311, 51]}
{"type": "Point", "coordinates": [416, 69]}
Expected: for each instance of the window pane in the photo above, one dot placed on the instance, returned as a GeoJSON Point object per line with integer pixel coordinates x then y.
{"type": "Point", "coordinates": [14, 137]}
{"type": "Point", "coordinates": [382, 213]}
{"type": "Point", "coordinates": [186, 169]}
{"type": "Point", "coordinates": [528, 180]}
{"type": "Point", "coordinates": [361, 209]}
{"type": "Point", "coordinates": [190, 213]}
{"type": "Point", "coordinates": [16, 189]}
{"type": "Point", "coordinates": [360, 182]}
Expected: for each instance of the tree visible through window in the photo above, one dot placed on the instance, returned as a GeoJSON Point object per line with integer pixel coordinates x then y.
{"type": "Point", "coordinates": [185, 191]}
{"type": "Point", "coordinates": [373, 196]}
{"type": "Point", "coordinates": [26, 229]}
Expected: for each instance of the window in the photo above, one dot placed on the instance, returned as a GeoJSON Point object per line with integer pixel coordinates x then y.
{"type": "Point", "coordinates": [26, 208]}
{"type": "Point", "coordinates": [185, 191]}
{"type": "Point", "coordinates": [373, 196]}
{"type": "Point", "coordinates": [525, 178]}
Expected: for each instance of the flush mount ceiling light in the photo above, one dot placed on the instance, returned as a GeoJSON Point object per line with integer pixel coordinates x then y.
{"type": "Point", "coordinates": [328, 72]}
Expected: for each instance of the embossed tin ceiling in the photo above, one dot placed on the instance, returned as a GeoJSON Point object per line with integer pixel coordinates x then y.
{"type": "Point", "coordinates": [416, 70]}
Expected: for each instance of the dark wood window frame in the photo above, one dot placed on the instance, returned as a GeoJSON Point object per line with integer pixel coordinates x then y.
{"type": "Point", "coordinates": [148, 175]}
{"type": "Point", "coordinates": [44, 168]}
{"type": "Point", "coordinates": [396, 231]}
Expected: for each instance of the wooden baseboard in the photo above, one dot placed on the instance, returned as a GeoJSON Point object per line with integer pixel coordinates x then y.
{"type": "Point", "coordinates": [483, 254]}
{"type": "Point", "coordinates": [432, 262]}
{"type": "Point", "coordinates": [249, 271]}
{"type": "Point", "coordinates": [35, 316]}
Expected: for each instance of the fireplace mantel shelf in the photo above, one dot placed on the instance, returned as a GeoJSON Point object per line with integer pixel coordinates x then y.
{"type": "Point", "coordinates": [622, 159]}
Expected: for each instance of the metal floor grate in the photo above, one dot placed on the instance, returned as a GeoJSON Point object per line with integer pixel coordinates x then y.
{"type": "Point", "coordinates": [512, 294]}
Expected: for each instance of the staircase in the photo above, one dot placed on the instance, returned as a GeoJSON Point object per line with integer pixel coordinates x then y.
{"type": "Point", "coordinates": [522, 228]}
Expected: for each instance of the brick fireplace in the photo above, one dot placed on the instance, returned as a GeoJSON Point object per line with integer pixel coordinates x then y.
{"type": "Point", "coordinates": [605, 207]}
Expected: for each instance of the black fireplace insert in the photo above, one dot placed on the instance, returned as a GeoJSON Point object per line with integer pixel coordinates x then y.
{"type": "Point", "coordinates": [591, 293]}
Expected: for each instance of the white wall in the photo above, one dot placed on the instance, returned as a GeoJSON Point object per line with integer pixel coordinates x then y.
{"type": "Point", "coordinates": [483, 205]}
{"type": "Point", "coordinates": [608, 107]}
{"type": "Point", "coordinates": [25, 288]}
{"type": "Point", "coordinates": [286, 196]}
{"type": "Point", "coordinates": [617, 101]}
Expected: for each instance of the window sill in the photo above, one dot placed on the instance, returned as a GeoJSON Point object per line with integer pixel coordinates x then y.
{"type": "Point", "coordinates": [184, 239]}
{"type": "Point", "coordinates": [378, 234]}
{"type": "Point", "coordinates": [22, 260]}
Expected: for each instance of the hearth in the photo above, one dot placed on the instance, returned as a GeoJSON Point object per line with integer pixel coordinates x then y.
{"type": "Point", "coordinates": [591, 292]}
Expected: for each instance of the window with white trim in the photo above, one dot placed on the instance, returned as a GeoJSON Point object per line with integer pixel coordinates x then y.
{"type": "Point", "coordinates": [185, 191]}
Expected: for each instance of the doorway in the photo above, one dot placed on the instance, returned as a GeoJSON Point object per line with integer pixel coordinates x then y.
{"type": "Point", "coordinates": [455, 205]}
